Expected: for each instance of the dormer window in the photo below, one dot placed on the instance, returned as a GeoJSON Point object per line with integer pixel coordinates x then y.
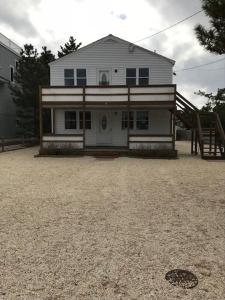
{"type": "Point", "coordinates": [69, 77]}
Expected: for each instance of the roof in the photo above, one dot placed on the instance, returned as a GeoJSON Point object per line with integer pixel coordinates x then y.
{"type": "Point", "coordinates": [9, 44]}
{"type": "Point", "coordinates": [110, 36]}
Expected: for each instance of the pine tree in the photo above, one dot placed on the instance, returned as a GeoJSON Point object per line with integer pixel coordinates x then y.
{"type": "Point", "coordinates": [215, 103]}
{"type": "Point", "coordinates": [213, 39]}
{"type": "Point", "coordinates": [32, 71]}
{"type": "Point", "coordinates": [69, 47]}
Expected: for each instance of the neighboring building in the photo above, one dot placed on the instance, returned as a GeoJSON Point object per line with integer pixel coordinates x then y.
{"type": "Point", "coordinates": [110, 94]}
{"type": "Point", "coordinates": [9, 57]}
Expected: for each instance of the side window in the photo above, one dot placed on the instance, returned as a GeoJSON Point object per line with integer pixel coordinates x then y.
{"type": "Point", "coordinates": [87, 119]}
{"type": "Point", "coordinates": [131, 76]}
{"type": "Point", "coordinates": [68, 77]}
{"type": "Point", "coordinates": [124, 124]}
{"type": "Point", "coordinates": [16, 64]}
{"type": "Point", "coordinates": [81, 77]}
{"type": "Point", "coordinates": [143, 76]}
{"type": "Point", "coordinates": [11, 73]}
{"type": "Point", "coordinates": [70, 120]}
{"type": "Point", "coordinates": [142, 120]}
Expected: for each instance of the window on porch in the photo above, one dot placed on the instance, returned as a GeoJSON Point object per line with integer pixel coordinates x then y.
{"type": "Point", "coordinates": [69, 77]}
{"type": "Point", "coordinates": [87, 119]}
{"type": "Point", "coordinates": [70, 120]}
{"type": "Point", "coordinates": [125, 119]}
{"type": "Point", "coordinates": [142, 120]}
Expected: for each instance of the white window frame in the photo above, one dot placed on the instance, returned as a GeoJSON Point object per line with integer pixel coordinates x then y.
{"type": "Point", "coordinates": [142, 76]}
{"type": "Point", "coordinates": [137, 73]}
{"type": "Point", "coordinates": [76, 77]}
{"type": "Point", "coordinates": [74, 80]}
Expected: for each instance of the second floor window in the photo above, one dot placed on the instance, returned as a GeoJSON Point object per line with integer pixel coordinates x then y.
{"type": "Point", "coordinates": [70, 120]}
{"type": "Point", "coordinates": [69, 77]}
{"type": "Point", "coordinates": [81, 77]}
{"type": "Point", "coordinates": [131, 76]}
{"type": "Point", "coordinates": [143, 76]}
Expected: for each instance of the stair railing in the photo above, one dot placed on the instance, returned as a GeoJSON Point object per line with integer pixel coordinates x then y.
{"type": "Point", "coordinates": [219, 129]}
{"type": "Point", "coordinates": [200, 134]}
{"type": "Point", "coordinates": [185, 102]}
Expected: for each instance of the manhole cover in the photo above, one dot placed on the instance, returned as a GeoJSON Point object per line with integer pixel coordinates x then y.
{"type": "Point", "coordinates": [182, 278]}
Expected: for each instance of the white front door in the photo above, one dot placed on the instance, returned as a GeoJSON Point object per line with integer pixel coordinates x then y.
{"type": "Point", "coordinates": [104, 128]}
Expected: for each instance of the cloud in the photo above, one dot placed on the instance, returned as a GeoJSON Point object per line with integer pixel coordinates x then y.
{"type": "Point", "coordinates": [122, 16]}
{"type": "Point", "coordinates": [16, 16]}
{"type": "Point", "coordinates": [119, 16]}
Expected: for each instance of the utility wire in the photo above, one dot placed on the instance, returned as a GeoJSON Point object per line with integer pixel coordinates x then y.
{"type": "Point", "coordinates": [199, 66]}
{"type": "Point", "coordinates": [147, 37]}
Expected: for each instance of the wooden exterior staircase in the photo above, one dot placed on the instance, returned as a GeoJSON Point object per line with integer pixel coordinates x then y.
{"type": "Point", "coordinates": [207, 132]}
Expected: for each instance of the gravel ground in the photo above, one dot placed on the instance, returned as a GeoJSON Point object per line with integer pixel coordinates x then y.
{"type": "Point", "coordinates": [86, 228]}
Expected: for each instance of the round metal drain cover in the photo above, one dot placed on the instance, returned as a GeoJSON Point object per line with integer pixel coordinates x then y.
{"type": "Point", "coordinates": [182, 278]}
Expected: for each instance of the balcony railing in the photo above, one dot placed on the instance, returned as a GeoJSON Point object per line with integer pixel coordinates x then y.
{"type": "Point", "coordinates": [108, 94]}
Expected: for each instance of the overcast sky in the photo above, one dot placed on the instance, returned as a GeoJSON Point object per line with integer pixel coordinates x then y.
{"type": "Point", "coordinates": [51, 22]}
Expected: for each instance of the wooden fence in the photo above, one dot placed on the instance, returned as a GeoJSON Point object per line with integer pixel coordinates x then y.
{"type": "Point", "coordinates": [16, 143]}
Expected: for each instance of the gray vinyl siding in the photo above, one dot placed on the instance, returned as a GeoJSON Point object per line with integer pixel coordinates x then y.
{"type": "Point", "coordinates": [114, 56]}
{"type": "Point", "coordinates": [7, 107]}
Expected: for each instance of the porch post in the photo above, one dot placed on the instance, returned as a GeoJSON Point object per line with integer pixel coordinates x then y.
{"type": "Point", "coordinates": [128, 115]}
{"type": "Point", "coordinates": [83, 117]}
{"type": "Point", "coordinates": [174, 117]}
{"type": "Point", "coordinates": [40, 118]}
{"type": "Point", "coordinates": [192, 141]}
{"type": "Point", "coordinates": [52, 121]}
{"type": "Point", "coordinates": [196, 142]}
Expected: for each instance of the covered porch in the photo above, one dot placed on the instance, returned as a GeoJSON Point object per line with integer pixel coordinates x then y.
{"type": "Point", "coordinates": [122, 118]}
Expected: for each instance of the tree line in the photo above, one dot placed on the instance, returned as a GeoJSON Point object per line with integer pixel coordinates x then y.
{"type": "Point", "coordinates": [33, 71]}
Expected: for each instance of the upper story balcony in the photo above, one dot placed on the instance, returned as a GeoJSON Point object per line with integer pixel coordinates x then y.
{"type": "Point", "coordinates": [150, 95]}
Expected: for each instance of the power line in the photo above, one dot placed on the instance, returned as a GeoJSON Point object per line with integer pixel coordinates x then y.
{"type": "Point", "coordinates": [217, 69]}
{"type": "Point", "coordinates": [195, 67]}
{"type": "Point", "coordinates": [147, 37]}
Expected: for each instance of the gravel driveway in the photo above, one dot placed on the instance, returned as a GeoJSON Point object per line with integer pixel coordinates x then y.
{"type": "Point", "coordinates": [86, 228]}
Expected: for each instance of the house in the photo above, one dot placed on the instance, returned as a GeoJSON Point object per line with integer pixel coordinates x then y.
{"type": "Point", "coordinates": [110, 94]}
{"type": "Point", "coordinates": [9, 57]}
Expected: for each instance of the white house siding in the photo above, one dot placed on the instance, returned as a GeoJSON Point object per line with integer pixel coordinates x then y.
{"type": "Point", "coordinates": [112, 55]}
{"type": "Point", "coordinates": [159, 124]}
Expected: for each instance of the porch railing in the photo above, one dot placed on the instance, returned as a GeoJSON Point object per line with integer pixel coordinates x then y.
{"type": "Point", "coordinates": [108, 94]}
